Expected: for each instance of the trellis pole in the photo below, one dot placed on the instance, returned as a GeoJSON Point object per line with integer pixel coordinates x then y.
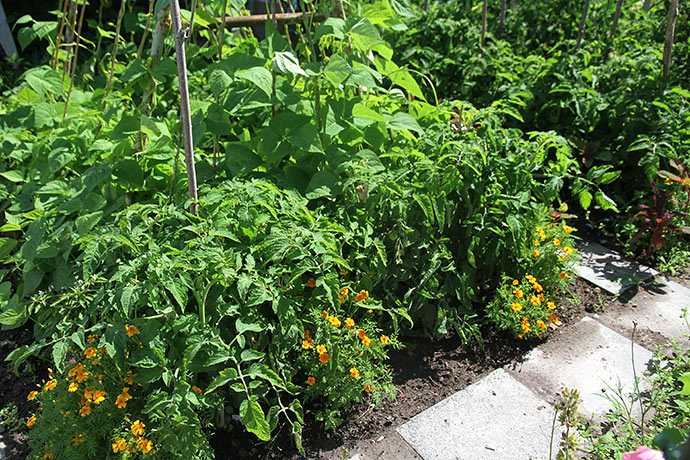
{"type": "Point", "coordinates": [583, 23]}
{"type": "Point", "coordinates": [503, 18]}
{"type": "Point", "coordinates": [673, 11]}
{"type": "Point", "coordinates": [185, 116]}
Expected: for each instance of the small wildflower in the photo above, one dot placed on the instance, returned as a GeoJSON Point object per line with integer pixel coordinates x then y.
{"type": "Point", "coordinates": [518, 293]}
{"type": "Point", "coordinates": [311, 283]}
{"type": "Point", "coordinates": [567, 250]}
{"type": "Point", "coordinates": [384, 339]}
{"type": "Point", "coordinates": [196, 390]}
{"type": "Point", "coordinates": [73, 387]}
{"type": "Point", "coordinates": [137, 428]}
{"type": "Point", "coordinates": [30, 421]}
{"type": "Point", "coordinates": [51, 384]}
{"type": "Point", "coordinates": [542, 234]}
{"type": "Point", "coordinates": [90, 352]}
{"type": "Point", "coordinates": [535, 253]}
{"type": "Point", "coordinates": [354, 373]}
{"type": "Point", "coordinates": [516, 306]}
{"type": "Point", "coordinates": [361, 333]}
{"type": "Point", "coordinates": [32, 395]}
{"type": "Point", "coordinates": [535, 300]}
{"type": "Point", "coordinates": [530, 278]}
{"type": "Point", "coordinates": [334, 321]}
{"type": "Point", "coordinates": [563, 275]}
{"type": "Point", "coordinates": [536, 243]}
{"type": "Point", "coordinates": [68, 413]}
{"type": "Point", "coordinates": [554, 319]}
{"type": "Point", "coordinates": [98, 397]}
{"type": "Point", "coordinates": [323, 357]}
{"type": "Point", "coordinates": [77, 439]}
{"type": "Point", "coordinates": [47, 455]}
{"type": "Point", "coordinates": [85, 410]}
{"type": "Point", "coordinates": [144, 444]}
{"type": "Point", "coordinates": [368, 388]}
{"type": "Point", "coordinates": [556, 241]}
{"type": "Point", "coordinates": [516, 282]}
{"type": "Point", "coordinates": [366, 341]}
{"type": "Point", "coordinates": [567, 229]}
{"type": "Point", "coordinates": [550, 306]}
{"type": "Point", "coordinates": [120, 445]}
{"type": "Point", "coordinates": [131, 330]}
{"type": "Point", "coordinates": [541, 324]}
{"type": "Point", "coordinates": [344, 292]}
{"type": "Point", "coordinates": [342, 272]}
{"type": "Point", "coordinates": [307, 344]}
{"type": "Point", "coordinates": [520, 336]}
{"type": "Point", "coordinates": [350, 323]}
{"type": "Point", "coordinates": [321, 349]}
{"type": "Point", "coordinates": [91, 338]}
{"type": "Point", "coordinates": [362, 295]}
{"type": "Point", "coordinates": [122, 398]}
{"type": "Point", "coordinates": [129, 380]}
{"type": "Point", "coordinates": [324, 314]}
{"type": "Point", "coordinates": [311, 380]}
{"type": "Point", "coordinates": [537, 287]}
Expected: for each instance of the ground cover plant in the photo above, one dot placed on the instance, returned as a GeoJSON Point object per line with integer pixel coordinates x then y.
{"type": "Point", "coordinates": [341, 209]}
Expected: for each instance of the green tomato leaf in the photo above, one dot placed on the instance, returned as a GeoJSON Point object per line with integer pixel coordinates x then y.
{"type": "Point", "coordinates": [253, 418]}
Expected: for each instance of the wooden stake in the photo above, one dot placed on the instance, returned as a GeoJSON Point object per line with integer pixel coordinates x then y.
{"type": "Point", "coordinates": [616, 17]}
{"type": "Point", "coordinates": [146, 29]}
{"type": "Point", "coordinates": [185, 116]}
{"type": "Point", "coordinates": [673, 11]}
{"type": "Point", "coordinates": [76, 55]}
{"type": "Point", "coordinates": [583, 22]}
{"type": "Point", "coordinates": [503, 18]}
{"type": "Point", "coordinates": [281, 18]}
{"type": "Point", "coordinates": [120, 14]}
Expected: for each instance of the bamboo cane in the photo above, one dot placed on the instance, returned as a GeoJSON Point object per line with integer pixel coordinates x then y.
{"type": "Point", "coordinates": [76, 55]}
{"type": "Point", "coordinates": [673, 11]}
{"type": "Point", "coordinates": [503, 18]}
{"type": "Point", "coordinates": [583, 22]}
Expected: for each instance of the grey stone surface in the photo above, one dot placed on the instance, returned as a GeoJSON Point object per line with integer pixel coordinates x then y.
{"type": "Point", "coordinates": [608, 270]}
{"type": "Point", "coordinates": [388, 446]}
{"type": "Point", "coordinates": [658, 309]}
{"type": "Point", "coordinates": [494, 418]}
{"type": "Point", "coordinates": [590, 358]}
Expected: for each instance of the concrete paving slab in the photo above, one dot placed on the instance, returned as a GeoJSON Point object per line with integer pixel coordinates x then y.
{"type": "Point", "coordinates": [657, 309]}
{"type": "Point", "coordinates": [494, 418]}
{"type": "Point", "coordinates": [388, 446]}
{"type": "Point", "coordinates": [588, 358]}
{"type": "Point", "coordinates": [608, 270]}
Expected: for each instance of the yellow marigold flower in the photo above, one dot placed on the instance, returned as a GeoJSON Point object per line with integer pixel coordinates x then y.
{"type": "Point", "coordinates": [131, 330]}
{"type": "Point", "coordinates": [350, 323]}
{"type": "Point", "coordinates": [129, 380]}
{"type": "Point", "coordinates": [541, 324]}
{"type": "Point", "coordinates": [68, 413]}
{"type": "Point", "coordinates": [311, 283]}
{"type": "Point", "coordinates": [366, 341]}
{"type": "Point", "coordinates": [306, 334]}
{"type": "Point", "coordinates": [556, 241]}
{"type": "Point", "coordinates": [98, 397]}
{"type": "Point", "coordinates": [77, 439]}
{"type": "Point", "coordinates": [73, 387]}
{"type": "Point", "coordinates": [354, 373]}
{"type": "Point", "coordinates": [541, 297]}
{"type": "Point", "coordinates": [85, 410]}
{"type": "Point", "coordinates": [196, 390]}
{"type": "Point", "coordinates": [535, 253]}
{"type": "Point", "coordinates": [361, 333]}
{"type": "Point", "coordinates": [334, 321]}
{"type": "Point", "coordinates": [122, 398]}
{"type": "Point", "coordinates": [342, 272]}
{"type": "Point", "coordinates": [88, 393]}
{"type": "Point", "coordinates": [535, 300]}
{"type": "Point", "coordinates": [51, 384]}
{"type": "Point", "coordinates": [525, 327]}
{"type": "Point", "coordinates": [91, 338]}
{"type": "Point", "coordinates": [32, 395]}
{"type": "Point", "coordinates": [567, 229]}
{"type": "Point", "coordinates": [368, 388]}
{"type": "Point", "coordinates": [520, 336]}
{"type": "Point", "coordinates": [320, 349]}
{"type": "Point", "coordinates": [550, 306]}
{"type": "Point", "coordinates": [362, 295]}
{"type": "Point", "coordinates": [311, 380]}
{"type": "Point", "coordinates": [561, 258]}
{"type": "Point", "coordinates": [536, 243]}
{"type": "Point", "coordinates": [518, 293]}
{"type": "Point", "coordinates": [90, 352]}
{"type": "Point", "coordinates": [563, 275]}
{"type": "Point", "coordinates": [384, 339]}
{"type": "Point", "coordinates": [554, 319]}
{"type": "Point", "coordinates": [323, 357]}
{"type": "Point", "coordinates": [344, 292]}
{"type": "Point", "coordinates": [96, 361]}
{"type": "Point", "coordinates": [30, 421]}
{"type": "Point", "coordinates": [324, 314]}
{"type": "Point", "coordinates": [307, 344]}
{"type": "Point", "coordinates": [47, 455]}
{"type": "Point", "coordinates": [120, 445]}
{"type": "Point", "coordinates": [137, 428]}
{"type": "Point", "coordinates": [530, 278]}
{"type": "Point", "coordinates": [516, 306]}
{"type": "Point", "coordinates": [516, 282]}
{"type": "Point", "coordinates": [144, 444]}
{"type": "Point", "coordinates": [537, 287]}
{"type": "Point", "coordinates": [568, 250]}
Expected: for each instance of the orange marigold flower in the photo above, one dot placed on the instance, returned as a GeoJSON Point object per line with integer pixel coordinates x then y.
{"type": "Point", "coordinates": [334, 321]}
{"type": "Point", "coordinates": [90, 352]}
{"type": "Point", "coordinates": [324, 314]}
{"type": "Point", "coordinates": [563, 275]}
{"type": "Point", "coordinates": [554, 319]}
{"type": "Point", "coordinates": [122, 398]}
{"type": "Point", "coordinates": [535, 253]}
{"type": "Point", "coordinates": [366, 341]}
{"type": "Point", "coordinates": [344, 292]}
{"type": "Point", "coordinates": [120, 445]}
{"type": "Point", "coordinates": [32, 395]}
{"type": "Point", "coordinates": [311, 380]}
{"type": "Point", "coordinates": [129, 380]}
{"type": "Point", "coordinates": [556, 241]}
{"type": "Point", "coordinates": [535, 300]}
{"type": "Point", "coordinates": [361, 333]}
{"type": "Point", "coordinates": [311, 283]}
{"type": "Point", "coordinates": [354, 373]}
{"type": "Point", "coordinates": [530, 278]}
{"type": "Point", "coordinates": [384, 339]}
{"type": "Point", "coordinates": [77, 439]}
{"type": "Point", "coordinates": [323, 357]}
{"type": "Point", "coordinates": [91, 338]}
{"type": "Point", "coordinates": [368, 388]}
{"type": "Point", "coordinates": [73, 387]}
{"type": "Point", "coordinates": [131, 330]}
{"type": "Point", "coordinates": [144, 444]}
{"type": "Point", "coordinates": [362, 295]}
{"type": "Point", "coordinates": [137, 428]}
{"type": "Point", "coordinates": [196, 390]}
{"type": "Point", "coordinates": [536, 243]}
{"type": "Point", "coordinates": [537, 287]}
{"type": "Point", "coordinates": [50, 384]}
{"type": "Point", "coordinates": [518, 293]}
{"type": "Point", "coordinates": [567, 229]}
{"type": "Point", "coordinates": [30, 421]}
{"type": "Point", "coordinates": [568, 250]}
{"type": "Point", "coordinates": [96, 361]}
{"type": "Point", "coordinates": [350, 323]}
{"type": "Point", "coordinates": [98, 397]}
{"type": "Point", "coordinates": [307, 344]}
{"type": "Point", "coordinates": [516, 306]}
{"type": "Point", "coordinates": [520, 336]}
{"type": "Point", "coordinates": [47, 455]}
{"type": "Point", "coordinates": [541, 232]}
{"type": "Point", "coordinates": [541, 324]}
{"type": "Point", "coordinates": [85, 410]}
{"type": "Point", "coordinates": [550, 305]}
{"type": "Point", "coordinates": [320, 349]}
{"type": "Point", "coordinates": [342, 272]}
{"type": "Point", "coordinates": [516, 282]}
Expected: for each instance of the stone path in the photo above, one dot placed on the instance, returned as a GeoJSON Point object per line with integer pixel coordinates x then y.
{"type": "Point", "coordinates": [509, 414]}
